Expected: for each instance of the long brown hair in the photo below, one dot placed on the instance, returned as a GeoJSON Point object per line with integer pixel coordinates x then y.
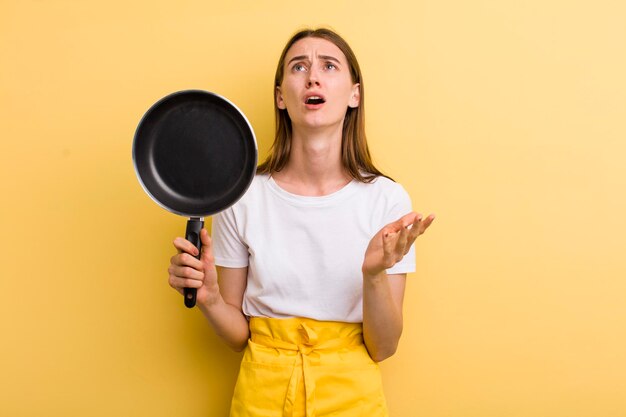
{"type": "Point", "coordinates": [355, 154]}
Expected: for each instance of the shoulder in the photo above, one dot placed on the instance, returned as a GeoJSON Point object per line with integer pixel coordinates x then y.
{"type": "Point", "coordinates": [385, 188]}
{"type": "Point", "coordinates": [257, 186]}
{"type": "Point", "coordinates": [249, 198]}
{"type": "Point", "coordinates": [259, 180]}
{"type": "Point", "coordinates": [386, 183]}
{"type": "Point", "coordinates": [387, 200]}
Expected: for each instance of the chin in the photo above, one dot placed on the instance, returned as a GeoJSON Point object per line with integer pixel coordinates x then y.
{"type": "Point", "coordinates": [319, 121]}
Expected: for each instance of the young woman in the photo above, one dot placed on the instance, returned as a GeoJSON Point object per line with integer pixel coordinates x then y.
{"type": "Point", "coordinates": [312, 260]}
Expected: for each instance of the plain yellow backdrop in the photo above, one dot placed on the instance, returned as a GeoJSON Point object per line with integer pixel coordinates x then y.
{"type": "Point", "coordinates": [505, 118]}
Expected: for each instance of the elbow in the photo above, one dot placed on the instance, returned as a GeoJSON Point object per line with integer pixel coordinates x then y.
{"type": "Point", "coordinates": [382, 338]}
{"type": "Point", "coordinates": [381, 354]}
{"type": "Point", "coordinates": [237, 344]}
{"type": "Point", "coordinates": [239, 347]}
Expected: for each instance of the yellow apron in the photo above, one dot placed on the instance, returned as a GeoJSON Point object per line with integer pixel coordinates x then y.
{"type": "Point", "coordinates": [307, 368]}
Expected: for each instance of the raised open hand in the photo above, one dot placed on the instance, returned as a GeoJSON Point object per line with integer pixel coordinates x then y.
{"type": "Point", "coordinates": [393, 241]}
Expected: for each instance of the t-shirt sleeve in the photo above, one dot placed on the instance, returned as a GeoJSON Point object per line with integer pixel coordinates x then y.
{"type": "Point", "coordinates": [229, 249]}
{"type": "Point", "coordinates": [401, 205]}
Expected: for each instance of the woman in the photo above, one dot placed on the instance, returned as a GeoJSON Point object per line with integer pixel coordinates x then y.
{"type": "Point", "coordinates": [311, 261]}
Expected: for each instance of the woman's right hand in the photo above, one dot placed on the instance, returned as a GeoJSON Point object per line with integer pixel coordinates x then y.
{"type": "Point", "coordinates": [186, 271]}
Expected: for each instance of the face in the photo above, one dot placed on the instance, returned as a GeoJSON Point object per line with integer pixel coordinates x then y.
{"type": "Point", "coordinates": [317, 88]}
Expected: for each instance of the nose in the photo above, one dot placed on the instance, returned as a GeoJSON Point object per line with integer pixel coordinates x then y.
{"type": "Point", "coordinates": [313, 78]}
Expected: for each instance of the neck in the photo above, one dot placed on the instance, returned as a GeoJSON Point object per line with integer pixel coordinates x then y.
{"type": "Point", "coordinates": [314, 167]}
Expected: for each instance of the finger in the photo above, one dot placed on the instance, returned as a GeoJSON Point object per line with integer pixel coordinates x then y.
{"type": "Point", "coordinates": [185, 272]}
{"type": "Point", "coordinates": [174, 283]}
{"type": "Point", "coordinates": [181, 277]}
{"type": "Point", "coordinates": [401, 223]}
{"type": "Point", "coordinates": [390, 240]}
{"type": "Point", "coordinates": [406, 220]}
{"type": "Point", "coordinates": [415, 229]}
{"type": "Point", "coordinates": [428, 221]}
{"type": "Point", "coordinates": [185, 259]}
{"type": "Point", "coordinates": [180, 283]}
{"type": "Point", "coordinates": [401, 244]}
{"type": "Point", "coordinates": [183, 245]}
{"type": "Point", "coordinates": [207, 248]}
{"type": "Point", "coordinates": [425, 224]}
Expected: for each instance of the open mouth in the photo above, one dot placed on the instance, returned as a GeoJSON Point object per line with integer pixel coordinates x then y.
{"type": "Point", "coordinates": [315, 100]}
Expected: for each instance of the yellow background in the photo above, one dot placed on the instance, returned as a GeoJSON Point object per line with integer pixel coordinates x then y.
{"type": "Point", "coordinates": [505, 118]}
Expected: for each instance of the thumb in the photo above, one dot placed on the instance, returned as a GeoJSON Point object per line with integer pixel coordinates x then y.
{"type": "Point", "coordinates": [206, 255]}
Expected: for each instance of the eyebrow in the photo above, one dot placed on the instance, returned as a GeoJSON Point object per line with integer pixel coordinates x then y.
{"type": "Point", "coordinates": [305, 57]}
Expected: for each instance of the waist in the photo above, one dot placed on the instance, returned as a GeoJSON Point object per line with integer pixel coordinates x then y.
{"type": "Point", "coordinates": [303, 333]}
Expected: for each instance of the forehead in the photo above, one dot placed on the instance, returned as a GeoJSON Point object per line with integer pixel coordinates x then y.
{"type": "Point", "coordinates": [311, 47]}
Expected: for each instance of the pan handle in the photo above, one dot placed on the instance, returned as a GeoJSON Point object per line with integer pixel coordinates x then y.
{"type": "Point", "coordinates": [192, 234]}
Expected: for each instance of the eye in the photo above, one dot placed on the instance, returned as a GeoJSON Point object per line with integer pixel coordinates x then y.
{"type": "Point", "coordinates": [330, 66]}
{"type": "Point", "coordinates": [298, 68]}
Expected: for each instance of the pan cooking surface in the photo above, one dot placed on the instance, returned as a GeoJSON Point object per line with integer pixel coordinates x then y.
{"type": "Point", "coordinates": [195, 153]}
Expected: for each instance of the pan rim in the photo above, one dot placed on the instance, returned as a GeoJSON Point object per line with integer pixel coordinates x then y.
{"type": "Point", "coordinates": [157, 105]}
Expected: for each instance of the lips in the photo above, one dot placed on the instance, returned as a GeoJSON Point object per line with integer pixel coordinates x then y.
{"type": "Point", "coordinates": [314, 99]}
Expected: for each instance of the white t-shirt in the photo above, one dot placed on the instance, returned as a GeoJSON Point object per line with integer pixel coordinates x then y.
{"type": "Point", "coordinates": [304, 254]}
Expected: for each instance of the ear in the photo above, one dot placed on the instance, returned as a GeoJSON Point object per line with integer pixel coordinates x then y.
{"type": "Point", "coordinates": [355, 98]}
{"type": "Point", "coordinates": [280, 103]}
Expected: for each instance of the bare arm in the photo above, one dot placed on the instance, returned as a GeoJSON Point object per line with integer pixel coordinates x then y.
{"type": "Point", "coordinates": [383, 294]}
{"type": "Point", "coordinates": [225, 315]}
{"type": "Point", "coordinates": [382, 313]}
{"type": "Point", "coordinates": [219, 302]}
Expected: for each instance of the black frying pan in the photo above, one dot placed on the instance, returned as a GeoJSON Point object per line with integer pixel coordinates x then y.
{"type": "Point", "coordinates": [195, 154]}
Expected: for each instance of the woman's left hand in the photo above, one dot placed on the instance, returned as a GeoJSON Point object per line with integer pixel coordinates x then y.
{"type": "Point", "coordinates": [392, 242]}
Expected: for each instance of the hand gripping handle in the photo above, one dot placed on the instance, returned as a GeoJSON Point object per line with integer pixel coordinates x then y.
{"type": "Point", "coordinates": [192, 234]}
